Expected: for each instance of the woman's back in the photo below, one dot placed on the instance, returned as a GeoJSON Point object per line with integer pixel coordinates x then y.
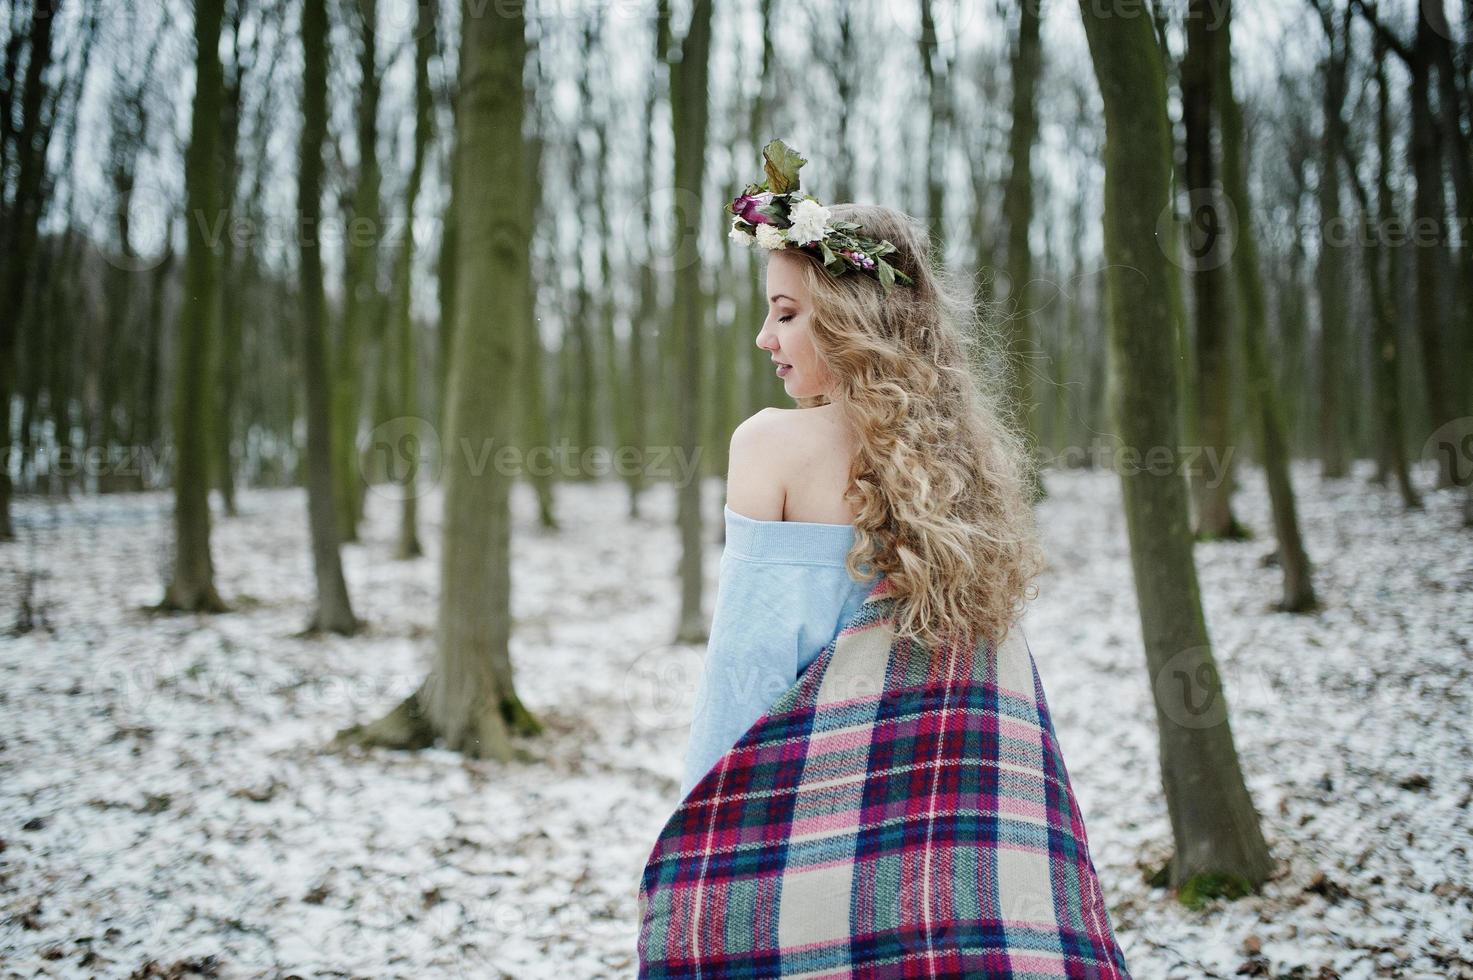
{"type": "Point", "coordinates": [817, 479]}
{"type": "Point", "coordinates": [792, 464]}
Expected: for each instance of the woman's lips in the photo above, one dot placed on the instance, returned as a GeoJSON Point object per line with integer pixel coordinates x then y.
{"type": "Point", "coordinates": [783, 369]}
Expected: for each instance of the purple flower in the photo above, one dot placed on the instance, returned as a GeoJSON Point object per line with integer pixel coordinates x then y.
{"type": "Point", "coordinates": [858, 258]}
{"type": "Point", "coordinates": [746, 205]}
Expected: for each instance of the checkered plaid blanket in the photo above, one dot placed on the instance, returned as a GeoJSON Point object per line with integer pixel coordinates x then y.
{"type": "Point", "coordinates": [892, 815]}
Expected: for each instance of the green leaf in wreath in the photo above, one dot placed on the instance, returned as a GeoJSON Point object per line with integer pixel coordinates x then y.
{"type": "Point", "coordinates": [781, 163]}
{"type": "Point", "coordinates": [887, 274]}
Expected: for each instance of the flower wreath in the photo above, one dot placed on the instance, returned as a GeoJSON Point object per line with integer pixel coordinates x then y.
{"type": "Point", "coordinates": [775, 214]}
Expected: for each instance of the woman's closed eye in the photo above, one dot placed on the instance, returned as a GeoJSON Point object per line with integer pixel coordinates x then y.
{"type": "Point", "coordinates": [784, 319]}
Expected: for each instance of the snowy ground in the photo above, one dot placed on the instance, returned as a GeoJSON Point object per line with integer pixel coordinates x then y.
{"type": "Point", "coordinates": [165, 808]}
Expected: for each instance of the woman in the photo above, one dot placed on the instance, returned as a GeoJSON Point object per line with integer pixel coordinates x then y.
{"type": "Point", "coordinates": [873, 783]}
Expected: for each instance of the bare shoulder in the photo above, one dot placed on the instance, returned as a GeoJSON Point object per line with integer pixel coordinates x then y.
{"type": "Point", "coordinates": [756, 474]}
{"type": "Point", "coordinates": [770, 453]}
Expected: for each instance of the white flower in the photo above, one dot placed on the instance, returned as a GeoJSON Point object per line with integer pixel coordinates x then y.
{"type": "Point", "coordinates": [741, 236]}
{"type": "Point", "coordinates": [770, 236]}
{"type": "Point", "coordinates": [809, 220]}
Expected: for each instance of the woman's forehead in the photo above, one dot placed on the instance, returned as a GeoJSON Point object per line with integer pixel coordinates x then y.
{"type": "Point", "coordinates": [783, 277]}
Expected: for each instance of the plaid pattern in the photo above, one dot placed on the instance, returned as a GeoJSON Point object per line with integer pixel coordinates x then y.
{"type": "Point", "coordinates": [892, 815]}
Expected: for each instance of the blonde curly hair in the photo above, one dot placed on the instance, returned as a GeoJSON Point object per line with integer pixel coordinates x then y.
{"type": "Point", "coordinates": [944, 502]}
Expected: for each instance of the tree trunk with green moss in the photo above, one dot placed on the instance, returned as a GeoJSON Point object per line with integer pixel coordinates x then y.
{"type": "Point", "coordinates": [363, 305]}
{"type": "Point", "coordinates": [689, 111]}
{"type": "Point", "coordinates": [404, 352]}
{"type": "Point", "coordinates": [469, 700]}
{"type": "Point", "coordinates": [1219, 847]}
{"type": "Point", "coordinates": [334, 612]}
{"type": "Point", "coordinates": [536, 425]}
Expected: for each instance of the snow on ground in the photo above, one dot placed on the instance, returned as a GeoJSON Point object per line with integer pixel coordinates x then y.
{"type": "Point", "coordinates": [166, 809]}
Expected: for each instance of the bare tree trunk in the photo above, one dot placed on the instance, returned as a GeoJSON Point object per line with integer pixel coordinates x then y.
{"type": "Point", "coordinates": [616, 382]}
{"type": "Point", "coordinates": [1024, 348]}
{"type": "Point", "coordinates": [760, 375]}
{"type": "Point", "coordinates": [1219, 847]}
{"type": "Point", "coordinates": [363, 305]}
{"type": "Point", "coordinates": [405, 357]}
{"type": "Point", "coordinates": [1455, 100]}
{"type": "Point", "coordinates": [1430, 211]}
{"type": "Point", "coordinates": [1298, 594]}
{"type": "Point", "coordinates": [583, 395]}
{"type": "Point", "coordinates": [193, 585]}
{"type": "Point", "coordinates": [468, 699]}
{"type": "Point", "coordinates": [447, 268]}
{"type": "Point", "coordinates": [1330, 277]}
{"type": "Point", "coordinates": [232, 292]}
{"type": "Point", "coordinates": [690, 113]}
{"type": "Point", "coordinates": [22, 216]}
{"type": "Point", "coordinates": [334, 611]}
{"type": "Point", "coordinates": [1208, 244]}
{"type": "Point", "coordinates": [936, 68]}
{"type": "Point", "coordinates": [536, 425]}
{"type": "Point", "coordinates": [1384, 289]}
{"type": "Point", "coordinates": [648, 310]}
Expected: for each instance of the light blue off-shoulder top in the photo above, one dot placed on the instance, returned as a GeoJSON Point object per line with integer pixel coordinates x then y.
{"type": "Point", "coordinates": [782, 595]}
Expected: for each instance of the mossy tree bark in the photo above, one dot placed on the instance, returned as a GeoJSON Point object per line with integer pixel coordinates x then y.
{"type": "Point", "coordinates": [363, 304]}
{"type": "Point", "coordinates": [1219, 846]}
{"type": "Point", "coordinates": [193, 584]}
{"type": "Point", "coordinates": [647, 313]}
{"type": "Point", "coordinates": [468, 700]}
{"type": "Point", "coordinates": [689, 110]}
{"type": "Point", "coordinates": [536, 425]}
{"type": "Point", "coordinates": [334, 612]}
{"type": "Point", "coordinates": [401, 345]}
